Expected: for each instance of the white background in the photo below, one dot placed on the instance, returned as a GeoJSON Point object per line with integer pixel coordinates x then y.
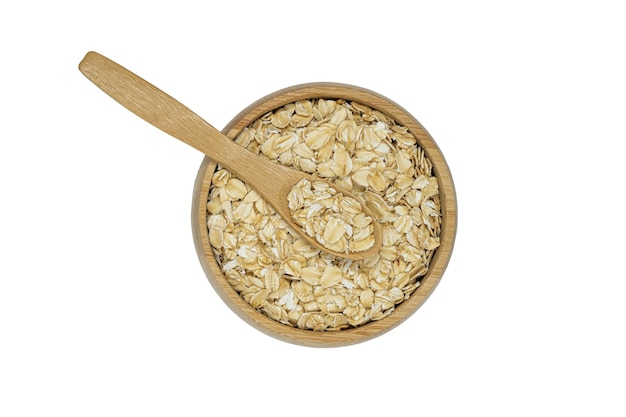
{"type": "Point", "coordinates": [105, 310]}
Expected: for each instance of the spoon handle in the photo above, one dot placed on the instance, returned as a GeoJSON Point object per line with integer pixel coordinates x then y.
{"type": "Point", "coordinates": [163, 111]}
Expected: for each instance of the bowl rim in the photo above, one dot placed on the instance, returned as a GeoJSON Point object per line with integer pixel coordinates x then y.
{"type": "Point", "coordinates": [402, 311]}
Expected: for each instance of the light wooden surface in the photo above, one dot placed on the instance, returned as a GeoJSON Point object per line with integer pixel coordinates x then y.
{"type": "Point", "coordinates": [405, 309]}
{"type": "Point", "coordinates": [272, 181]}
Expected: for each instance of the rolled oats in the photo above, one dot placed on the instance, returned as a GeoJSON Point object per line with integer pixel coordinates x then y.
{"type": "Point", "coordinates": [319, 209]}
{"type": "Point", "coordinates": [355, 148]}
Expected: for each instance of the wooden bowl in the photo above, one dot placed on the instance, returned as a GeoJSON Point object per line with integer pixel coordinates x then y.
{"type": "Point", "coordinates": [373, 328]}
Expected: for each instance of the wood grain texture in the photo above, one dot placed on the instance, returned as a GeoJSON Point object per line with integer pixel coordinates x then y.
{"type": "Point", "coordinates": [428, 282]}
{"type": "Point", "coordinates": [272, 181]}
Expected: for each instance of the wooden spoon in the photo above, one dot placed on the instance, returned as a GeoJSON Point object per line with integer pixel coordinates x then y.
{"type": "Point", "coordinates": [271, 181]}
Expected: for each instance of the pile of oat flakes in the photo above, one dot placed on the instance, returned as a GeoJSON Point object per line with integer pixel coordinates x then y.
{"type": "Point", "coordinates": [358, 149]}
{"type": "Point", "coordinates": [335, 220]}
